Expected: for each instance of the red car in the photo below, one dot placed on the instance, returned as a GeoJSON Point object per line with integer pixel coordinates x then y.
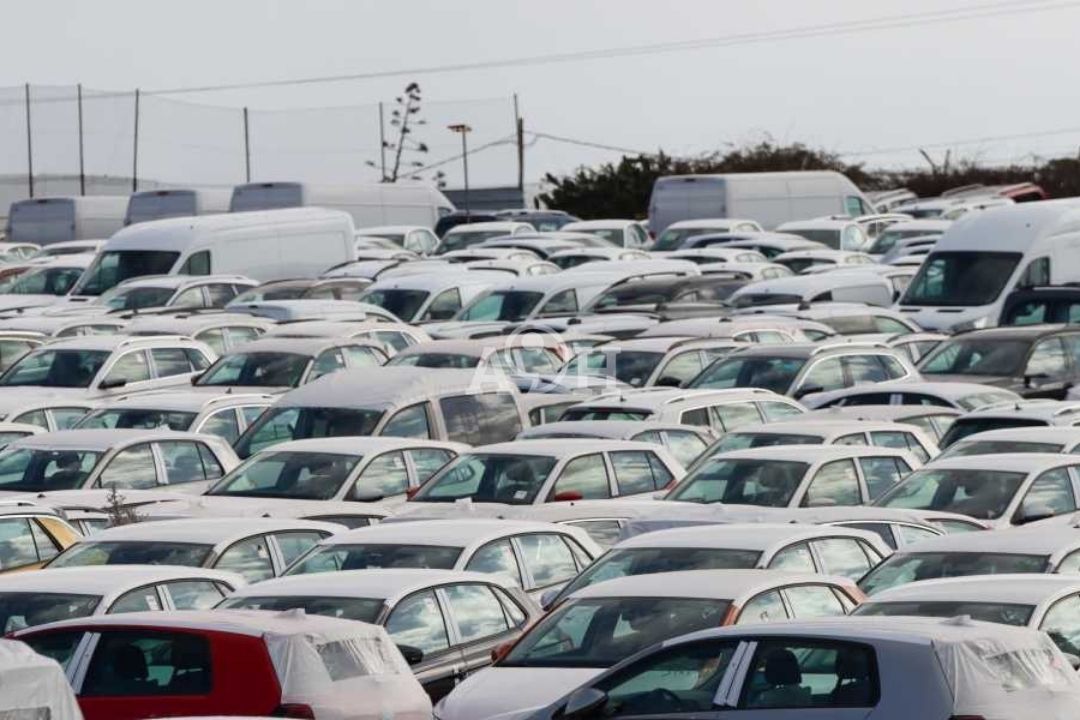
{"type": "Point", "coordinates": [231, 662]}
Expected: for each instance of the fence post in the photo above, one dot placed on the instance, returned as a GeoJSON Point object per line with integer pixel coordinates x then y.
{"type": "Point", "coordinates": [382, 142]}
{"type": "Point", "coordinates": [82, 166]}
{"type": "Point", "coordinates": [135, 148]}
{"type": "Point", "coordinates": [29, 146]}
{"type": "Point", "coordinates": [247, 148]}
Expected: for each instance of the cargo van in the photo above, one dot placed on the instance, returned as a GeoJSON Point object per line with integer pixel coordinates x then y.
{"type": "Point", "coordinates": [50, 220]}
{"type": "Point", "coordinates": [265, 246]}
{"type": "Point", "coordinates": [984, 256]}
{"type": "Point", "coordinates": [377, 204]}
{"type": "Point", "coordinates": [181, 202]}
{"type": "Point", "coordinates": [769, 198]}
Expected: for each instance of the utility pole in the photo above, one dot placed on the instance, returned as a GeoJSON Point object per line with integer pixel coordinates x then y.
{"type": "Point", "coordinates": [135, 148]}
{"type": "Point", "coordinates": [29, 146]}
{"type": "Point", "coordinates": [464, 130]}
{"type": "Point", "coordinates": [519, 127]}
{"type": "Point", "coordinates": [82, 166]}
{"type": "Point", "coordinates": [382, 142]}
{"type": "Point", "coordinates": [247, 148]}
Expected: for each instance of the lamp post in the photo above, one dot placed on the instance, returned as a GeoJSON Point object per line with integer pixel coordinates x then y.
{"type": "Point", "coordinates": [464, 130]}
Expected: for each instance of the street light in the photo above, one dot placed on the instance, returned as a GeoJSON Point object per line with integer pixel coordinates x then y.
{"type": "Point", "coordinates": [463, 130]}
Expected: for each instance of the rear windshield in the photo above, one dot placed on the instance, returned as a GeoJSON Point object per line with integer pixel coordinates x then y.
{"type": "Point", "coordinates": [1001, 613]}
{"type": "Point", "coordinates": [20, 610]}
{"type": "Point", "coordinates": [118, 552]}
{"type": "Point", "coordinates": [349, 608]}
{"type": "Point", "coordinates": [269, 196]}
{"type": "Point", "coordinates": [647, 561]}
{"type": "Point", "coordinates": [999, 447]}
{"type": "Point", "coordinates": [963, 427]}
{"type": "Point", "coordinates": [332, 558]}
{"type": "Point", "coordinates": [138, 418]}
{"type": "Point", "coordinates": [902, 568]}
{"type": "Point", "coordinates": [42, 221]}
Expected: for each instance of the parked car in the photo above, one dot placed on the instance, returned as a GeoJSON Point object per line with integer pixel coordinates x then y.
{"type": "Point", "coordinates": [221, 331]}
{"type": "Point", "coordinates": [394, 337]}
{"type": "Point", "coordinates": [624, 233]}
{"type": "Point", "coordinates": [648, 362]}
{"type": "Point", "coordinates": [933, 420]}
{"type": "Point", "coordinates": [417, 607]}
{"type": "Point", "coordinates": [678, 234]}
{"type": "Point", "coordinates": [601, 625]}
{"type": "Point", "coordinates": [818, 431]}
{"type": "Point", "coordinates": [226, 415]}
{"type": "Point", "coordinates": [808, 261]}
{"type": "Point", "coordinates": [684, 442]}
{"type": "Point", "coordinates": [522, 353]}
{"type": "Point", "coordinates": [430, 297]}
{"type": "Point", "coordinates": [1027, 413]}
{"type": "Point", "coordinates": [278, 364]}
{"type": "Point", "coordinates": [965, 396]}
{"type": "Point", "coordinates": [33, 535]}
{"type": "Point", "coordinates": [170, 291]}
{"type": "Point", "coordinates": [850, 286]}
{"type": "Point", "coordinates": [231, 663]}
{"type": "Point", "coordinates": [769, 244]}
{"type": "Point", "coordinates": [464, 236]}
{"type": "Point", "coordinates": [1012, 441]}
{"type": "Point", "coordinates": [415, 238]}
{"type": "Point", "coordinates": [1041, 304]}
{"type": "Point", "coordinates": [885, 242]}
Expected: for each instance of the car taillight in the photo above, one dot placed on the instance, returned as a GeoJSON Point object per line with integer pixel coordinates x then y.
{"type": "Point", "coordinates": [295, 710]}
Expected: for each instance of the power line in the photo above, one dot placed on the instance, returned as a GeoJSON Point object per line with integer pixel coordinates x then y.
{"type": "Point", "coordinates": [588, 144]}
{"type": "Point", "coordinates": [970, 12]}
{"type": "Point", "coordinates": [956, 143]}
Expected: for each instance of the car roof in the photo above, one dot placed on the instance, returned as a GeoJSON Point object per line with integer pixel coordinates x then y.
{"type": "Point", "coordinates": [560, 447]}
{"type": "Point", "coordinates": [811, 453]}
{"type": "Point", "coordinates": [108, 343]}
{"type": "Point", "coordinates": [1006, 588]}
{"type": "Point", "coordinates": [950, 390]}
{"type": "Point", "coordinates": [1062, 434]}
{"type": "Point", "coordinates": [508, 226]}
{"type": "Point", "coordinates": [1041, 541]}
{"type": "Point", "coordinates": [359, 445]}
{"type": "Point", "coordinates": [107, 579]}
{"type": "Point", "coordinates": [292, 345]}
{"type": "Point", "coordinates": [181, 401]}
{"type": "Point", "coordinates": [441, 533]}
{"type": "Point", "coordinates": [878, 412]}
{"type": "Point", "coordinates": [210, 531]}
{"type": "Point", "coordinates": [1047, 410]}
{"type": "Point", "coordinates": [824, 428]}
{"type": "Point", "coordinates": [99, 440]}
{"type": "Point", "coordinates": [194, 322]}
{"type": "Point", "coordinates": [433, 282]}
{"type": "Point", "coordinates": [388, 584]}
{"type": "Point", "coordinates": [1027, 463]}
{"type": "Point", "coordinates": [814, 283]}
{"type": "Point", "coordinates": [1013, 332]}
{"type": "Point", "coordinates": [704, 584]}
{"type": "Point", "coordinates": [613, 429]}
{"type": "Point", "coordinates": [654, 399]}
{"type": "Point", "coordinates": [380, 387]}
{"type": "Point", "coordinates": [749, 536]}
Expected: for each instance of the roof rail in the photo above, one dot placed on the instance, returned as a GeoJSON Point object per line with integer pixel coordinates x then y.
{"type": "Point", "coordinates": [139, 339]}
{"type": "Point", "coordinates": [850, 344]}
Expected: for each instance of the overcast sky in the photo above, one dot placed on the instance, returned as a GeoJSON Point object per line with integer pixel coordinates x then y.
{"type": "Point", "coordinates": [852, 93]}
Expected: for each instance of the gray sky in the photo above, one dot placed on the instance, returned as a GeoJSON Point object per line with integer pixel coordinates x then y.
{"type": "Point", "coordinates": [895, 88]}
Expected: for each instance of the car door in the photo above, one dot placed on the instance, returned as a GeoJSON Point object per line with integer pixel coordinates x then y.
{"type": "Point", "coordinates": [478, 622]}
{"type": "Point", "coordinates": [23, 544]}
{"type": "Point", "coordinates": [250, 558]}
{"type": "Point", "coordinates": [327, 362]}
{"type": "Point", "coordinates": [583, 478]}
{"type": "Point", "coordinates": [425, 462]}
{"type": "Point", "coordinates": [418, 621]}
{"type": "Point", "coordinates": [287, 546]}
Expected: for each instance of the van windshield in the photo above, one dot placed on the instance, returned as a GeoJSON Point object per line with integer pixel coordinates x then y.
{"type": "Point", "coordinates": [961, 278]}
{"type": "Point", "coordinates": [113, 267]}
{"type": "Point", "coordinates": [300, 423]}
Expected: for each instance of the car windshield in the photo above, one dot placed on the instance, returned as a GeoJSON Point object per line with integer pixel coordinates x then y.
{"type": "Point", "coordinates": [961, 428]}
{"type": "Point", "coordinates": [56, 368]}
{"type": "Point", "coordinates": [437, 360]}
{"type": "Point", "coordinates": [961, 279]}
{"type": "Point", "coordinates": [348, 608]}
{"type": "Point", "coordinates": [759, 371]}
{"type": "Point", "coordinates": [599, 632]}
{"type": "Point", "coordinates": [293, 475]}
{"type": "Point", "coordinates": [769, 483]}
{"type": "Point", "coordinates": [626, 562]}
{"type": "Point", "coordinates": [995, 612]}
{"type": "Point", "coordinates": [278, 424]}
{"type": "Point", "coordinates": [20, 610]}
{"type": "Point", "coordinates": [647, 292]}
{"type": "Point", "coordinates": [43, 281]}
{"type": "Point", "coordinates": [332, 558]}
{"type": "Point", "coordinates": [404, 304]}
{"type": "Point", "coordinates": [141, 418]}
{"type": "Point", "coordinates": [747, 440]}
{"type": "Point", "coordinates": [999, 447]}
{"type": "Point", "coordinates": [977, 356]}
{"type": "Point", "coordinates": [603, 413]}
{"type": "Point", "coordinates": [902, 568]}
{"type": "Point", "coordinates": [133, 552]}
{"type": "Point", "coordinates": [501, 306]}
{"type": "Point", "coordinates": [629, 366]}
{"type": "Point", "coordinates": [30, 470]}
{"type": "Point", "coordinates": [982, 494]}
{"type": "Point", "coordinates": [494, 477]}
{"type": "Point", "coordinates": [290, 290]}
{"type": "Point", "coordinates": [110, 268]}
{"type": "Point", "coordinates": [258, 369]}
{"type": "Point", "coordinates": [121, 298]}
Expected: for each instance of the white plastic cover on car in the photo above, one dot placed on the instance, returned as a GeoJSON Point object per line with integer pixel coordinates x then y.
{"type": "Point", "coordinates": [345, 670]}
{"type": "Point", "coordinates": [1008, 673]}
{"type": "Point", "coordinates": [33, 687]}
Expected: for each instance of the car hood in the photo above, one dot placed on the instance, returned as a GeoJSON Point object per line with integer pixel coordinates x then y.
{"type": "Point", "coordinates": [455, 330]}
{"type": "Point", "coordinates": [998, 381]}
{"type": "Point", "coordinates": [487, 695]}
{"type": "Point", "coordinates": [16, 302]}
{"type": "Point", "coordinates": [15, 397]}
{"type": "Point", "coordinates": [946, 319]}
{"type": "Point", "coordinates": [98, 499]}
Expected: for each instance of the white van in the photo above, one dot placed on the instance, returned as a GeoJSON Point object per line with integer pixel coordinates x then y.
{"type": "Point", "coordinates": [769, 198]}
{"type": "Point", "coordinates": [182, 202]}
{"type": "Point", "coordinates": [984, 256]}
{"type": "Point", "coordinates": [50, 220]}
{"type": "Point", "coordinates": [265, 246]}
{"type": "Point", "coordinates": [376, 204]}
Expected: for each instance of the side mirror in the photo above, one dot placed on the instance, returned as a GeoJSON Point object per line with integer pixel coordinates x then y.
{"type": "Point", "coordinates": [1028, 379]}
{"type": "Point", "coordinates": [196, 377]}
{"type": "Point", "coordinates": [548, 598]}
{"type": "Point", "coordinates": [1031, 514]}
{"type": "Point", "coordinates": [807, 390]}
{"type": "Point", "coordinates": [111, 383]}
{"type": "Point", "coordinates": [1074, 660]}
{"type": "Point", "coordinates": [668, 381]}
{"type": "Point", "coordinates": [412, 655]}
{"type": "Point", "coordinates": [583, 703]}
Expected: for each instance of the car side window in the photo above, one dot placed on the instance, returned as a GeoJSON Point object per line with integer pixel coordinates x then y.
{"type": "Point", "coordinates": [65, 417]}
{"type": "Point", "coordinates": [910, 534]}
{"type": "Point", "coordinates": [385, 476]}
{"type": "Point", "coordinates": [778, 410]}
{"type": "Point", "coordinates": [444, 306]}
{"type": "Point", "coordinates": [547, 559]}
{"type": "Point", "coordinates": [900, 440]}
{"type": "Point", "coordinates": [197, 264]}
{"type": "Point", "coordinates": [138, 600]}
{"type": "Point", "coordinates": [169, 362]}
{"type": "Point", "coordinates": [17, 543]}
{"type": "Point", "coordinates": [362, 356]}
{"type": "Point", "coordinates": [194, 594]}
{"type": "Point", "coordinates": [799, 673]}
{"type": "Point", "coordinates": [1047, 360]}
{"type": "Point", "coordinates": [1070, 564]}
{"type": "Point", "coordinates": [250, 558]}
{"type": "Point", "coordinates": [730, 416]}
{"type": "Point", "coordinates": [677, 680]}
{"type": "Point", "coordinates": [476, 611]}
{"type": "Point", "coordinates": [130, 469]}
{"type": "Point", "coordinates": [223, 424]}
{"type": "Point", "coordinates": [184, 463]}
{"type": "Point", "coordinates": [190, 298]}
{"type": "Point", "coordinates": [418, 622]}
{"type": "Point", "coordinates": [328, 361]}
{"type": "Point", "coordinates": [698, 417]}
{"type": "Point", "coordinates": [146, 662]}
{"type": "Point", "coordinates": [825, 374]}
{"type": "Point", "coordinates": [481, 419]}
{"type": "Point", "coordinates": [496, 558]}
{"type": "Point", "coordinates": [763, 608]}
{"type": "Point", "coordinates": [685, 446]}
{"type": "Point", "coordinates": [58, 646]}
{"type": "Point", "coordinates": [1062, 624]}
{"type": "Point", "coordinates": [293, 544]}
{"type": "Point", "coordinates": [46, 547]}
{"type": "Point", "coordinates": [585, 476]}
{"type": "Point", "coordinates": [842, 556]}
{"type": "Point", "coordinates": [864, 369]}
{"type": "Point", "coordinates": [893, 368]}
{"type": "Point", "coordinates": [796, 558]}
{"type": "Point", "coordinates": [1051, 493]}
{"type": "Point", "coordinates": [130, 368]}
{"type": "Point", "coordinates": [881, 474]}
{"type": "Point", "coordinates": [220, 294]}
{"type": "Point", "coordinates": [427, 461]}
{"type": "Point", "coordinates": [813, 601]}
{"type": "Point", "coordinates": [563, 303]}
{"type": "Point", "coordinates": [836, 483]}
{"type": "Point", "coordinates": [852, 439]}
{"type": "Point", "coordinates": [634, 473]}
{"type": "Point", "coordinates": [410, 422]}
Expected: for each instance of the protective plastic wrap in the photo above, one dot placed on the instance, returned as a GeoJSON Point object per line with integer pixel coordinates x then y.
{"type": "Point", "coordinates": [33, 687]}
{"type": "Point", "coordinates": [349, 670]}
